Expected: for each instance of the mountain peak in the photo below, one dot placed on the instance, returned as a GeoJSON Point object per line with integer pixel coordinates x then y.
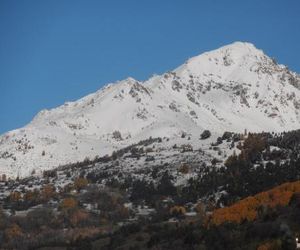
{"type": "Point", "coordinates": [239, 44]}
{"type": "Point", "coordinates": [233, 88]}
{"type": "Point", "coordinates": [240, 49]}
{"type": "Point", "coordinates": [236, 50]}
{"type": "Point", "coordinates": [224, 60]}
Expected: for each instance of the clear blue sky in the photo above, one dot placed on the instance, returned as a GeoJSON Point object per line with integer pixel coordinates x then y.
{"type": "Point", "coordinates": [60, 50]}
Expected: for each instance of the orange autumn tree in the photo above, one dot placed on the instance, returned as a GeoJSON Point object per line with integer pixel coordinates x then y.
{"type": "Point", "coordinates": [80, 183]}
{"type": "Point", "coordinates": [13, 232]}
{"type": "Point", "coordinates": [271, 245]}
{"type": "Point", "coordinates": [47, 192]}
{"type": "Point", "coordinates": [31, 195]}
{"type": "Point", "coordinates": [177, 210]}
{"type": "Point", "coordinates": [15, 196]}
{"type": "Point", "coordinates": [68, 204]}
{"type": "Point", "coordinates": [247, 209]}
{"type": "Point", "coordinates": [78, 216]}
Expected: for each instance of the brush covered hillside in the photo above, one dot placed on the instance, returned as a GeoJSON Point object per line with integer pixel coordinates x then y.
{"type": "Point", "coordinates": [266, 221]}
{"type": "Point", "coordinates": [233, 88]}
{"type": "Point", "coordinates": [251, 202]}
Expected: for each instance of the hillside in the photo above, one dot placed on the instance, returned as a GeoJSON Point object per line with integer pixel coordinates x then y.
{"type": "Point", "coordinates": [136, 199]}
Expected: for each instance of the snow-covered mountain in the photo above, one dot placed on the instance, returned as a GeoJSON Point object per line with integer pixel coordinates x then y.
{"type": "Point", "coordinates": [233, 88]}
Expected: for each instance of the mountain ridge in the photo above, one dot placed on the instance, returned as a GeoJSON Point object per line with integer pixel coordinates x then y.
{"type": "Point", "coordinates": [233, 88]}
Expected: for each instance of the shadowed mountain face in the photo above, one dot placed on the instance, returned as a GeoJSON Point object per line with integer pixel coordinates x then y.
{"type": "Point", "coordinates": [233, 88]}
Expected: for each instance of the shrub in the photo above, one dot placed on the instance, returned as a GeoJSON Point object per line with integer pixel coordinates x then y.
{"type": "Point", "coordinates": [184, 169]}
{"type": "Point", "coordinates": [117, 135]}
{"type": "Point", "coordinates": [205, 134]}
{"type": "Point", "coordinates": [177, 211]}
{"type": "Point", "coordinates": [13, 232]}
{"type": "Point", "coordinates": [15, 196]}
{"type": "Point", "coordinates": [80, 183]}
{"type": "Point", "coordinates": [78, 217]}
{"type": "Point", "coordinates": [48, 192]}
{"type": "Point", "coordinates": [68, 204]}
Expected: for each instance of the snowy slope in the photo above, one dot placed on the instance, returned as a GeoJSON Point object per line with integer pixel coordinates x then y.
{"type": "Point", "coordinates": [233, 88]}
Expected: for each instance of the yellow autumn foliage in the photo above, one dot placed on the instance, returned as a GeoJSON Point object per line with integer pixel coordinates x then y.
{"type": "Point", "coordinates": [13, 232]}
{"type": "Point", "coordinates": [15, 196]}
{"type": "Point", "coordinates": [177, 210]}
{"type": "Point", "coordinates": [271, 245]}
{"type": "Point", "coordinates": [68, 203]}
{"type": "Point", "coordinates": [247, 208]}
{"type": "Point", "coordinates": [80, 183]}
{"type": "Point", "coordinates": [47, 192]}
